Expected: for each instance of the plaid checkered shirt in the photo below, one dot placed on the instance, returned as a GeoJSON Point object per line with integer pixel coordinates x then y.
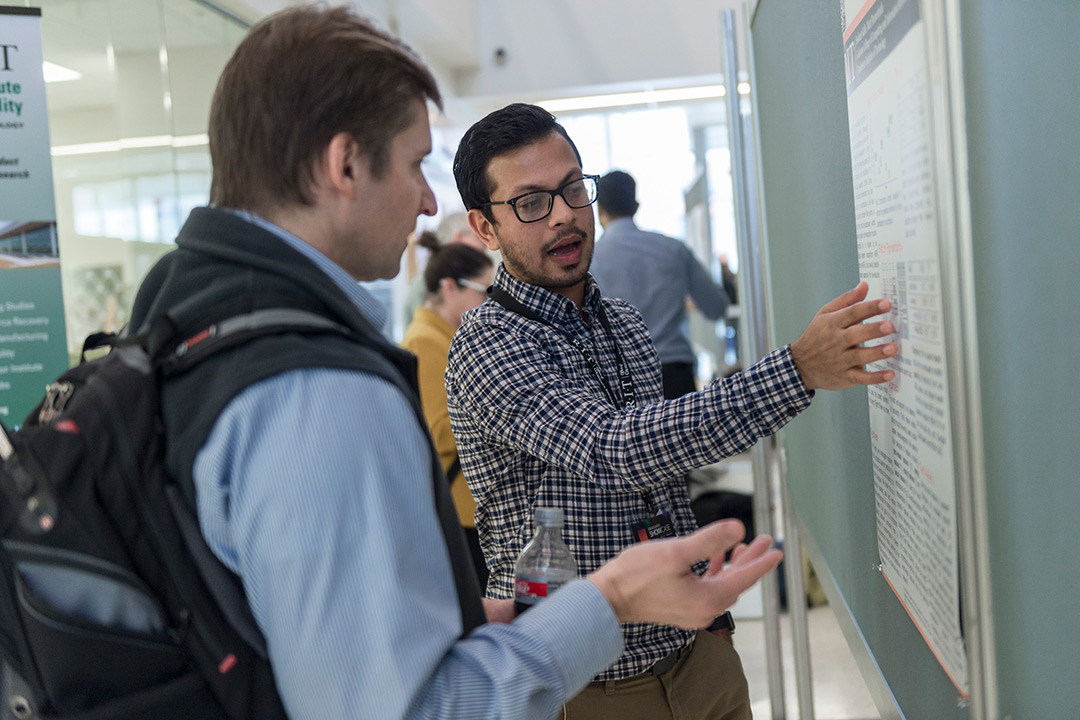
{"type": "Point", "coordinates": [535, 427]}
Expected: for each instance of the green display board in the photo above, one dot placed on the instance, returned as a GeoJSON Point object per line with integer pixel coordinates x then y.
{"type": "Point", "coordinates": [1020, 80]}
{"type": "Point", "coordinates": [33, 345]}
{"type": "Point", "coordinates": [1022, 92]}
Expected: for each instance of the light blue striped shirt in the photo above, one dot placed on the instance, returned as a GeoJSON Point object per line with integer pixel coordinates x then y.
{"type": "Point", "coordinates": [315, 487]}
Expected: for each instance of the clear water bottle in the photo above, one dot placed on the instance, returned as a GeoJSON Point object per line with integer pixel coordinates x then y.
{"type": "Point", "coordinates": [545, 564]}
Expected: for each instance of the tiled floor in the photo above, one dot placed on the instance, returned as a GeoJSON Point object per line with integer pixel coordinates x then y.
{"type": "Point", "coordinates": [838, 689]}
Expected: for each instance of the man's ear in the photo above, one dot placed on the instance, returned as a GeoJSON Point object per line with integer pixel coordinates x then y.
{"type": "Point", "coordinates": [484, 229]}
{"type": "Point", "coordinates": [341, 166]}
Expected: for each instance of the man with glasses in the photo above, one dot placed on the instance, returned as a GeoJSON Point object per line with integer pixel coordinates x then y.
{"type": "Point", "coordinates": [555, 400]}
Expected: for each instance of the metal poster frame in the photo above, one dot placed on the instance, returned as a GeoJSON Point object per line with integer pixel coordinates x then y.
{"type": "Point", "coordinates": [757, 339]}
{"type": "Point", "coordinates": [948, 117]}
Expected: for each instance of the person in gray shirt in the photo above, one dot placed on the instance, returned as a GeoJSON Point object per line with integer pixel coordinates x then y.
{"type": "Point", "coordinates": [656, 274]}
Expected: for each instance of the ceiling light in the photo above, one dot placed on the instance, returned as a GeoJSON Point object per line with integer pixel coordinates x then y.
{"type": "Point", "coordinates": [643, 97]}
{"type": "Point", "coordinates": [132, 143]}
{"type": "Point", "coordinates": [190, 140]}
{"type": "Point", "coordinates": [58, 73]}
{"type": "Point", "coordinates": [743, 88]}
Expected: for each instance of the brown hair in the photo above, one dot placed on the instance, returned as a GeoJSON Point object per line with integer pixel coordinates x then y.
{"type": "Point", "coordinates": [502, 131]}
{"type": "Point", "coordinates": [300, 77]}
{"type": "Point", "coordinates": [450, 260]}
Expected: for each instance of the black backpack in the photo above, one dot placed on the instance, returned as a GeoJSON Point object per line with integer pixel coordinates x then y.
{"type": "Point", "coordinates": [111, 603]}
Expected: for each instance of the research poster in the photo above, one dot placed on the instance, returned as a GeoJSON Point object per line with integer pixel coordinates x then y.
{"type": "Point", "coordinates": [895, 196]}
{"type": "Point", "coordinates": [33, 341]}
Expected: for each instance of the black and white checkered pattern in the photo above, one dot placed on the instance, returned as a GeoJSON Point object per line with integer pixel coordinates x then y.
{"type": "Point", "coordinates": [534, 427]}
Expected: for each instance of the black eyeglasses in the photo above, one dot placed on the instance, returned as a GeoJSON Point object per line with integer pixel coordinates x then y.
{"type": "Point", "coordinates": [536, 205]}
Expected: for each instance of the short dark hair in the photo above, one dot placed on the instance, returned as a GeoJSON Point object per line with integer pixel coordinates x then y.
{"type": "Point", "coordinates": [298, 78]}
{"type": "Point", "coordinates": [450, 260]}
{"type": "Point", "coordinates": [616, 194]}
{"type": "Point", "coordinates": [500, 132]}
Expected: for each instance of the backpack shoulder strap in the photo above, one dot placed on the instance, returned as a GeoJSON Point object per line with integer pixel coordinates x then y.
{"type": "Point", "coordinates": [180, 354]}
{"type": "Point", "coordinates": [176, 355]}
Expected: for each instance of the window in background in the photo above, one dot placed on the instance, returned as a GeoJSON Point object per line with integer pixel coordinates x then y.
{"type": "Point", "coordinates": [653, 145]}
{"type": "Point", "coordinates": [722, 203]}
{"type": "Point", "coordinates": [130, 154]}
{"type": "Point", "coordinates": [668, 149]}
{"type": "Point", "coordinates": [439, 170]}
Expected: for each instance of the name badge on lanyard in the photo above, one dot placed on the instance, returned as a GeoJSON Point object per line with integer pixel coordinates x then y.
{"type": "Point", "coordinates": [654, 528]}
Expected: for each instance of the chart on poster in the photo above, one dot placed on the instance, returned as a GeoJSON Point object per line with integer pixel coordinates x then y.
{"type": "Point", "coordinates": [895, 199]}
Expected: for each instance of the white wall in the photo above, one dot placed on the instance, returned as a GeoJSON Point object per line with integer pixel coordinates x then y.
{"type": "Point", "coordinates": [552, 47]}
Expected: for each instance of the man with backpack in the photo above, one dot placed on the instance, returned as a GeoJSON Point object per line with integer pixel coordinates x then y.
{"type": "Point", "coordinates": [305, 453]}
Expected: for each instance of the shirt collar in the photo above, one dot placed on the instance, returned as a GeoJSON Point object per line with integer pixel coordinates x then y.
{"type": "Point", "coordinates": [547, 304]}
{"type": "Point", "coordinates": [627, 222]}
{"type": "Point", "coordinates": [365, 302]}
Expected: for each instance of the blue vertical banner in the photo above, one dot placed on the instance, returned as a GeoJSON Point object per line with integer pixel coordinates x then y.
{"type": "Point", "coordinates": [33, 344]}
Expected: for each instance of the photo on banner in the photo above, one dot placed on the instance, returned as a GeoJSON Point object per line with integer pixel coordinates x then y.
{"type": "Point", "coordinates": [33, 343]}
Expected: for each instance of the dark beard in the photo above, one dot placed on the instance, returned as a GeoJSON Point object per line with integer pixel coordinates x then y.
{"type": "Point", "coordinates": [532, 276]}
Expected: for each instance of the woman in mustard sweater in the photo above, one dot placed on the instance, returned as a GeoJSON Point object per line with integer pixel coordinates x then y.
{"type": "Point", "coordinates": [456, 278]}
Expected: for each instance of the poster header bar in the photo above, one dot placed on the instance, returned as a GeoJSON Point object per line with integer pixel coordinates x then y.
{"type": "Point", "coordinates": [6, 10]}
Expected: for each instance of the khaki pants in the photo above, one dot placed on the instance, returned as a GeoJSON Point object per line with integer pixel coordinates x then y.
{"type": "Point", "coordinates": [706, 684]}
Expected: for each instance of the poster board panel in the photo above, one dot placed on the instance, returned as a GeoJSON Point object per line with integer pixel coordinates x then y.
{"type": "Point", "coordinates": [808, 190]}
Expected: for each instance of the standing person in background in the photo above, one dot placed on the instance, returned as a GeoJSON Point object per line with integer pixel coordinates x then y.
{"type": "Point", "coordinates": [656, 274]}
{"type": "Point", "coordinates": [454, 228]}
{"type": "Point", "coordinates": [660, 276]}
{"type": "Point", "coordinates": [455, 280]}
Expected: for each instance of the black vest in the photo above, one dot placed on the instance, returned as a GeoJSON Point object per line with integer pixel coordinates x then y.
{"type": "Point", "coordinates": [226, 266]}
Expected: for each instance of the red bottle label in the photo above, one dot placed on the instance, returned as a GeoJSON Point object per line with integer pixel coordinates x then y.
{"type": "Point", "coordinates": [525, 588]}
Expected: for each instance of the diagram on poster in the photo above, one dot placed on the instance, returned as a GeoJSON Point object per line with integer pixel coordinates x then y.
{"type": "Point", "coordinates": [888, 81]}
